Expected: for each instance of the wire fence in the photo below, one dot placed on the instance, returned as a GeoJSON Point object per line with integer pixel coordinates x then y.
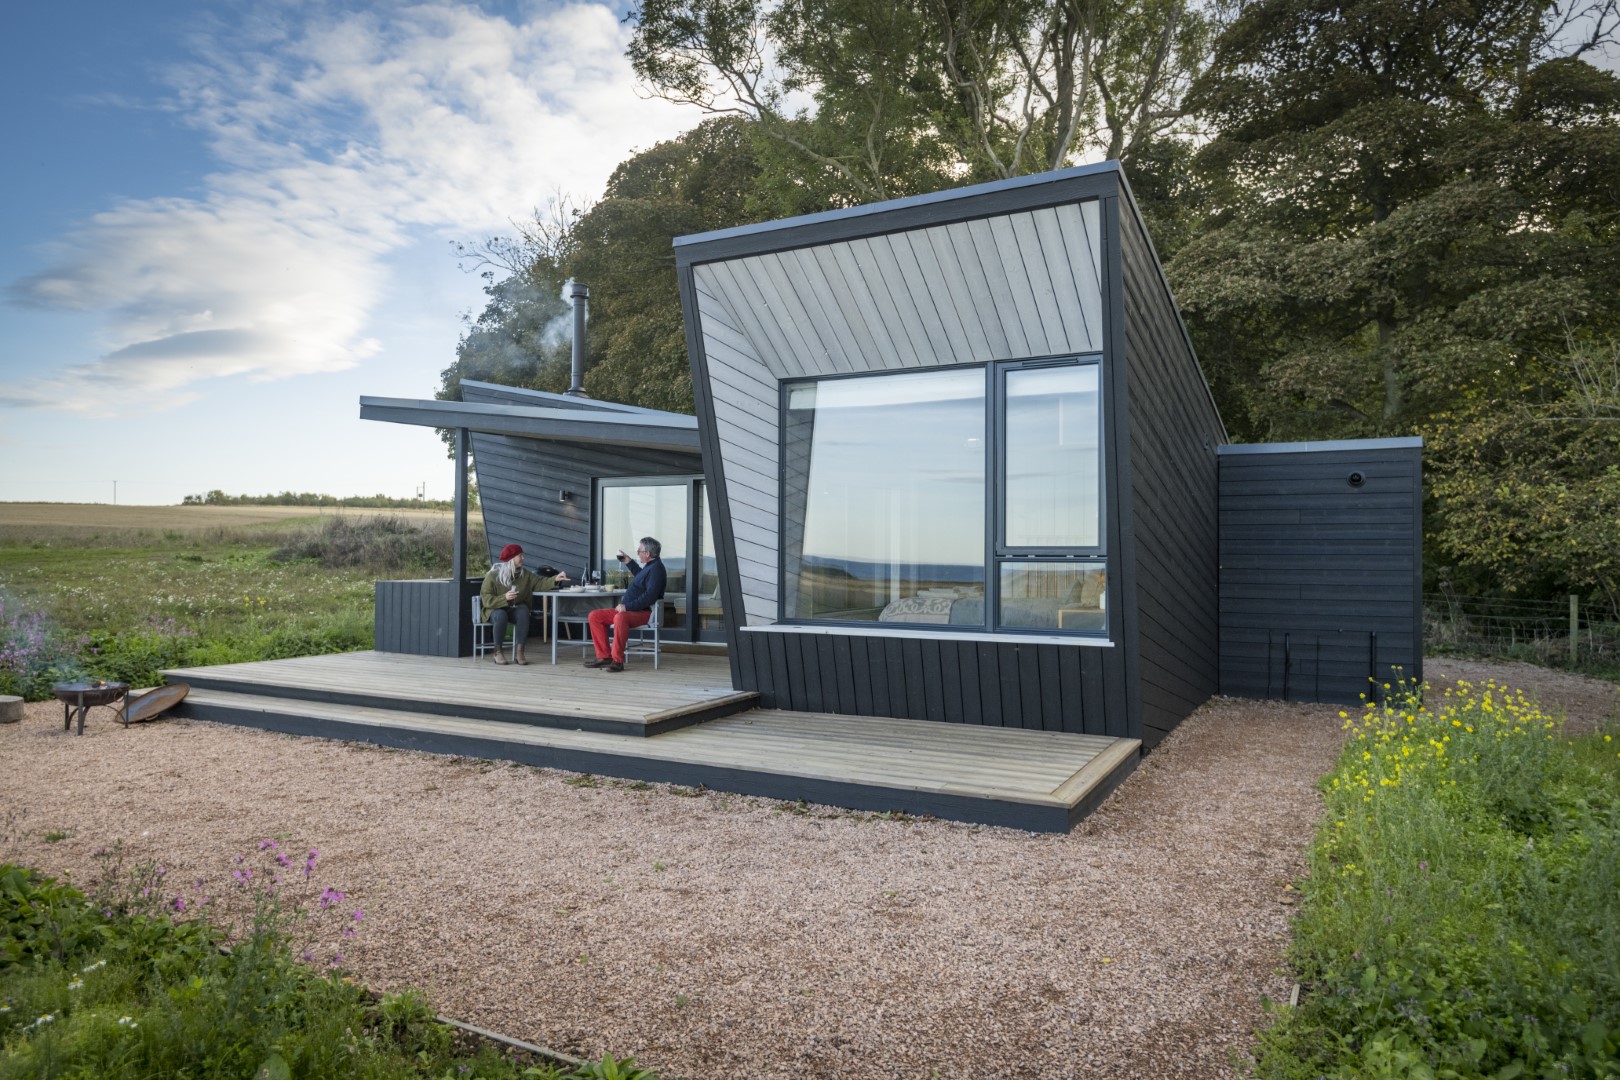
{"type": "Point", "coordinates": [1549, 632]}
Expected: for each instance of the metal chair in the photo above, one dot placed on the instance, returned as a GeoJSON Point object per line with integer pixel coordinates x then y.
{"type": "Point", "coordinates": [483, 630]}
{"type": "Point", "coordinates": [638, 642]}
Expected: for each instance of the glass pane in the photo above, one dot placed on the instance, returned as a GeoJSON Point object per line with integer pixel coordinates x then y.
{"type": "Point", "coordinates": [1052, 460]}
{"type": "Point", "coordinates": [1063, 595]}
{"type": "Point", "coordinates": [883, 519]}
{"type": "Point", "coordinates": [710, 609]}
{"type": "Point", "coordinates": [630, 512]}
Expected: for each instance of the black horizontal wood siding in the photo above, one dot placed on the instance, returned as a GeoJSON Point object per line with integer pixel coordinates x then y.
{"type": "Point", "coordinates": [519, 481]}
{"type": "Point", "coordinates": [1320, 579]}
{"type": "Point", "coordinates": [1075, 688]}
{"type": "Point", "coordinates": [421, 617]}
{"type": "Point", "coordinates": [1174, 432]}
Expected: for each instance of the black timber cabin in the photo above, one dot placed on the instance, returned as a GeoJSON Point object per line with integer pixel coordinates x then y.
{"type": "Point", "coordinates": [954, 460]}
{"type": "Point", "coordinates": [965, 467]}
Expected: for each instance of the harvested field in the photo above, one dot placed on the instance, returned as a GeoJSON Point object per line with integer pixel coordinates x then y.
{"type": "Point", "coordinates": [182, 518]}
{"type": "Point", "coordinates": [721, 936]}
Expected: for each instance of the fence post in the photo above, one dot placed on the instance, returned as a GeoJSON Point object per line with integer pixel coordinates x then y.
{"type": "Point", "coordinates": [1574, 631]}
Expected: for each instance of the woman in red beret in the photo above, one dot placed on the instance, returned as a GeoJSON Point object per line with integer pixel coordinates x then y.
{"type": "Point", "coordinates": [507, 595]}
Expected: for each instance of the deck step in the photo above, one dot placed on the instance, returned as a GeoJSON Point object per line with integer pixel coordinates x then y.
{"type": "Point", "coordinates": [1042, 781]}
{"type": "Point", "coordinates": [638, 704]}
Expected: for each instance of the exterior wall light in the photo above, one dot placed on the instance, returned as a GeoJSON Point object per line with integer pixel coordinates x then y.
{"type": "Point", "coordinates": [565, 496]}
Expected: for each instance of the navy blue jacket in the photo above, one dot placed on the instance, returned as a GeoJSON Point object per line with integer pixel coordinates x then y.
{"type": "Point", "coordinates": [647, 588]}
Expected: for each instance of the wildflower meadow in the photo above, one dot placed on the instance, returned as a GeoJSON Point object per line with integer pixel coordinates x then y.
{"type": "Point", "coordinates": [1460, 915]}
{"type": "Point", "coordinates": [126, 603]}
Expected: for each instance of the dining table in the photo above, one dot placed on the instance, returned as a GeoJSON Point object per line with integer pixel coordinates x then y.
{"type": "Point", "coordinates": [581, 598]}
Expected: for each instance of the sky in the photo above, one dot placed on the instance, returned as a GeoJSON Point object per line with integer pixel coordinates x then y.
{"type": "Point", "coordinates": [223, 223]}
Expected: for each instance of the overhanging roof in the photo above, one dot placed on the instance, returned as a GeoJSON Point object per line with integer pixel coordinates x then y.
{"type": "Point", "coordinates": [604, 427]}
{"type": "Point", "coordinates": [996, 198]}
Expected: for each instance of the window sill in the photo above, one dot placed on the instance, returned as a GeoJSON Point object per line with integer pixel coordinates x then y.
{"type": "Point", "coordinates": [880, 630]}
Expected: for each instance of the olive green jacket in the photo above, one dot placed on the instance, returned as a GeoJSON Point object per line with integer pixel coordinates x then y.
{"type": "Point", "coordinates": [493, 594]}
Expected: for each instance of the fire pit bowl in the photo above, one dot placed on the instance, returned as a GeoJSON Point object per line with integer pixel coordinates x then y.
{"type": "Point", "coordinates": [81, 697]}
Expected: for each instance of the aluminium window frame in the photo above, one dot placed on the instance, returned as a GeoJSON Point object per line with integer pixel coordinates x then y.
{"type": "Point", "coordinates": [996, 553]}
{"type": "Point", "coordinates": [693, 483]}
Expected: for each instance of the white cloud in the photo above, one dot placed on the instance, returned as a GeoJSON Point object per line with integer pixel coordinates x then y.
{"type": "Point", "coordinates": [341, 139]}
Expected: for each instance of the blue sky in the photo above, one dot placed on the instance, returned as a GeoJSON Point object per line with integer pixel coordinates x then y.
{"type": "Point", "coordinates": [224, 222]}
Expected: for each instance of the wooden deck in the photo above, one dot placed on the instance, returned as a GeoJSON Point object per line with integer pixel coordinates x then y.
{"type": "Point", "coordinates": [1035, 780]}
{"type": "Point", "coordinates": [687, 689]}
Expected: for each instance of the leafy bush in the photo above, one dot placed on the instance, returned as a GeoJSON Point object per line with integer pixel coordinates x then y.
{"type": "Point", "coordinates": [1460, 915]}
{"type": "Point", "coordinates": [120, 985]}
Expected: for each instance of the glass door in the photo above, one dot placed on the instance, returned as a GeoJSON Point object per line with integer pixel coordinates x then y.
{"type": "Point", "coordinates": [673, 511]}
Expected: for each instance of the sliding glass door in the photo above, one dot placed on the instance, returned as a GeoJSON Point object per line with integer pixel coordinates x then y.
{"type": "Point", "coordinates": [673, 511]}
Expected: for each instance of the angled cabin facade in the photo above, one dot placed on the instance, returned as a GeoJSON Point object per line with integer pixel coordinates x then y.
{"type": "Point", "coordinates": [571, 480]}
{"type": "Point", "coordinates": [963, 461]}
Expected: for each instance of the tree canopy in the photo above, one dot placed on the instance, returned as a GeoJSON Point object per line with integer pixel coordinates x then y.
{"type": "Point", "coordinates": [1379, 217]}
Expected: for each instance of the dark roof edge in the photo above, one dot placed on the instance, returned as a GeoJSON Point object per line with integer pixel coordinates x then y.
{"type": "Point", "coordinates": [1129, 199]}
{"type": "Point", "coordinates": [567, 399]}
{"type": "Point", "coordinates": [1404, 443]}
{"type": "Point", "coordinates": [899, 215]}
{"type": "Point", "coordinates": [449, 411]}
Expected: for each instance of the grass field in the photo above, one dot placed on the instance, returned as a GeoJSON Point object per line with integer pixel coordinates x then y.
{"type": "Point", "coordinates": [93, 515]}
{"type": "Point", "coordinates": [122, 592]}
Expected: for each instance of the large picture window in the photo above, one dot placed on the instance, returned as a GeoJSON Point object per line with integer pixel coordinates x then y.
{"type": "Point", "coordinates": [964, 497]}
{"type": "Point", "coordinates": [884, 498]}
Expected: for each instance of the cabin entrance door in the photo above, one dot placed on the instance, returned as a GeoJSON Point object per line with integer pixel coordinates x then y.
{"type": "Point", "coordinates": [673, 510]}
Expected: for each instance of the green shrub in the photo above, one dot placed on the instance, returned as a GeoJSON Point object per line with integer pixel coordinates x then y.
{"type": "Point", "coordinates": [117, 985]}
{"type": "Point", "coordinates": [41, 918]}
{"type": "Point", "coordinates": [1460, 916]}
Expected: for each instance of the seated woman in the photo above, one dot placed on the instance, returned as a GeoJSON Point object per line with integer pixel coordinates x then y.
{"type": "Point", "coordinates": [507, 595]}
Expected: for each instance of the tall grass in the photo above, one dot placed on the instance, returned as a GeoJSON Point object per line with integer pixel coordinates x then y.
{"type": "Point", "coordinates": [206, 596]}
{"type": "Point", "coordinates": [1461, 915]}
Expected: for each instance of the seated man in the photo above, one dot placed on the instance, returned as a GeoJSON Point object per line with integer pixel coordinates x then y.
{"type": "Point", "coordinates": [634, 609]}
{"type": "Point", "coordinates": [507, 594]}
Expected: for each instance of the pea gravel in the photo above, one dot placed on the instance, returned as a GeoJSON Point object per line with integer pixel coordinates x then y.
{"type": "Point", "coordinates": [715, 935]}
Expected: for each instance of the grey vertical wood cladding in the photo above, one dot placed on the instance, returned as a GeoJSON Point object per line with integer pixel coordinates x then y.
{"type": "Point", "coordinates": [995, 684]}
{"type": "Point", "coordinates": [1320, 577]}
{"type": "Point", "coordinates": [423, 618]}
{"type": "Point", "coordinates": [1173, 437]}
{"type": "Point", "coordinates": [519, 481]}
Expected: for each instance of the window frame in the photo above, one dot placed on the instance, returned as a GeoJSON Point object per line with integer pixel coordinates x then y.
{"type": "Point", "coordinates": [996, 552]}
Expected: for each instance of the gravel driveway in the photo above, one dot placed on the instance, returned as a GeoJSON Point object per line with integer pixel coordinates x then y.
{"type": "Point", "coordinates": [717, 935]}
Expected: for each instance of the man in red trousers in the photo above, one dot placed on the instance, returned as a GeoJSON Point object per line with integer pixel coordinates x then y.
{"type": "Point", "coordinates": [634, 609]}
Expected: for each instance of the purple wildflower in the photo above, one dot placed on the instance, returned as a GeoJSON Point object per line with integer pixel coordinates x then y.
{"type": "Point", "coordinates": [330, 896]}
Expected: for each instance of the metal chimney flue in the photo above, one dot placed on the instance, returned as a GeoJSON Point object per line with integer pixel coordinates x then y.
{"type": "Point", "coordinates": [580, 296]}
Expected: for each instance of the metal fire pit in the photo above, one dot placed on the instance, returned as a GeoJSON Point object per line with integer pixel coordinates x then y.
{"type": "Point", "coordinates": [81, 697]}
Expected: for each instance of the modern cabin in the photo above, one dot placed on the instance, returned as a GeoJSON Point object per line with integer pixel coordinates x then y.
{"type": "Point", "coordinates": [955, 471]}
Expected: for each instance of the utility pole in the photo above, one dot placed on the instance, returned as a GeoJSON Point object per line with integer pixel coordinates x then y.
{"type": "Point", "coordinates": [115, 493]}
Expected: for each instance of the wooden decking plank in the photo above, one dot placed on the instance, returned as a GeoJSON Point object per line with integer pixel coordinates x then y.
{"type": "Point", "coordinates": [599, 720]}
{"type": "Point", "coordinates": [713, 744]}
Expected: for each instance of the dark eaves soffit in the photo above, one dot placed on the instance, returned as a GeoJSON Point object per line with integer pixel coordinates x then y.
{"type": "Point", "coordinates": [650, 430]}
